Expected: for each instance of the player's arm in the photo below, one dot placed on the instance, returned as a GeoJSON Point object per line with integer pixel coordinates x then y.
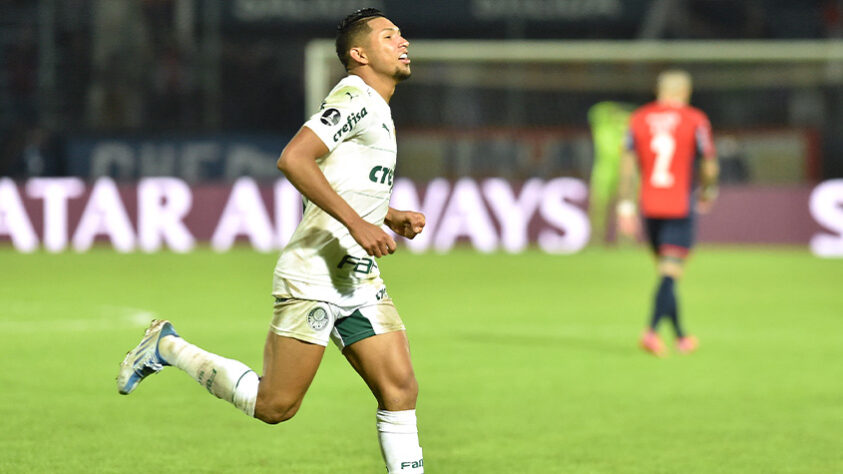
{"type": "Point", "coordinates": [298, 163]}
{"type": "Point", "coordinates": [627, 211]}
{"type": "Point", "coordinates": [405, 223]}
{"type": "Point", "coordinates": [709, 176]}
{"type": "Point", "coordinates": [709, 169]}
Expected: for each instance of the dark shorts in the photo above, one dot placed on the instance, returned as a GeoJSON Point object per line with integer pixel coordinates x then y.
{"type": "Point", "coordinates": [671, 236]}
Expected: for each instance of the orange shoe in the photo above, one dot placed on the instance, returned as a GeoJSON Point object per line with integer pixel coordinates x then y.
{"type": "Point", "coordinates": [651, 343]}
{"type": "Point", "coordinates": [687, 344]}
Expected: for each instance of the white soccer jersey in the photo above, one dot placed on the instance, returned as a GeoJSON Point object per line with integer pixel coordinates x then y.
{"type": "Point", "coordinates": [322, 261]}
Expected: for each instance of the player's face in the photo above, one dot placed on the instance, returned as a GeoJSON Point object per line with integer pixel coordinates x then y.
{"type": "Point", "coordinates": [388, 49]}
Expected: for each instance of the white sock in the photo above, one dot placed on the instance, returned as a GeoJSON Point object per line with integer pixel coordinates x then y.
{"type": "Point", "coordinates": [399, 439]}
{"type": "Point", "coordinates": [228, 379]}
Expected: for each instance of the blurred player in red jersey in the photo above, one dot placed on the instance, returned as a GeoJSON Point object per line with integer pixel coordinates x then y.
{"type": "Point", "coordinates": [667, 138]}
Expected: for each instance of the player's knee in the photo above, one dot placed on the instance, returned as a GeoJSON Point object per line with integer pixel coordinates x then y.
{"type": "Point", "coordinates": [671, 265]}
{"type": "Point", "coordinates": [401, 395]}
{"type": "Point", "coordinates": [276, 409]}
{"type": "Point", "coordinates": [410, 390]}
{"type": "Point", "coordinates": [276, 414]}
{"type": "Point", "coordinates": [671, 269]}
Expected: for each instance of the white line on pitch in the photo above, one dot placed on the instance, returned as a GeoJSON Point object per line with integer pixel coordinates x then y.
{"type": "Point", "coordinates": [111, 317]}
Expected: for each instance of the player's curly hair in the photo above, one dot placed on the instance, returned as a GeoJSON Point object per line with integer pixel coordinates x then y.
{"type": "Point", "coordinates": [350, 29]}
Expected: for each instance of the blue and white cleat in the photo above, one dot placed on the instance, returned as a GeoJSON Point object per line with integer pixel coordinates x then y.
{"type": "Point", "coordinates": [144, 359]}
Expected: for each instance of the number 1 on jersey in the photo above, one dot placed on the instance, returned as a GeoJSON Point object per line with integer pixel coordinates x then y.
{"type": "Point", "coordinates": [664, 146]}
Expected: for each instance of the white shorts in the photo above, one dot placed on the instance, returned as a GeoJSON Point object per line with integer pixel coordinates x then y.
{"type": "Point", "coordinates": [317, 321]}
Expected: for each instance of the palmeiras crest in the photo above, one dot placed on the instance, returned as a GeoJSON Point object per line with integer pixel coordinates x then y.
{"type": "Point", "coordinates": [317, 319]}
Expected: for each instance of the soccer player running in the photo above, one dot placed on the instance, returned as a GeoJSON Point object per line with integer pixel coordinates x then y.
{"type": "Point", "coordinates": [327, 283]}
{"type": "Point", "coordinates": [667, 137]}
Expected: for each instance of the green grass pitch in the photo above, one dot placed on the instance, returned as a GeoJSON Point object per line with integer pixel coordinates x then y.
{"type": "Point", "coordinates": [527, 364]}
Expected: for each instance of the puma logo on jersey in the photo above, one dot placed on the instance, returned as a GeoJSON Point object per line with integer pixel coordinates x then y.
{"type": "Point", "coordinates": [381, 174]}
{"type": "Point", "coordinates": [387, 129]}
{"type": "Point", "coordinates": [348, 126]}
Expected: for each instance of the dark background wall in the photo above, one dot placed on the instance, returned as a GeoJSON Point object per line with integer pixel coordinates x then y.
{"type": "Point", "coordinates": [72, 71]}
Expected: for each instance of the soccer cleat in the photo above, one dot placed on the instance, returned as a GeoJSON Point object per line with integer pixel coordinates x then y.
{"type": "Point", "coordinates": [651, 343]}
{"type": "Point", "coordinates": [144, 359]}
{"type": "Point", "coordinates": [687, 344]}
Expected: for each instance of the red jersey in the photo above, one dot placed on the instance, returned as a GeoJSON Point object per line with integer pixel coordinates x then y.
{"type": "Point", "coordinates": [667, 140]}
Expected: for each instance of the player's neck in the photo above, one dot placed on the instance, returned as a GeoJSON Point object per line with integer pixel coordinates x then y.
{"type": "Point", "coordinates": [385, 86]}
{"type": "Point", "coordinates": [672, 102]}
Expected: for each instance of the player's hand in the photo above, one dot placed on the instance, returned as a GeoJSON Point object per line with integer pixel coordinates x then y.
{"type": "Point", "coordinates": [706, 200]}
{"type": "Point", "coordinates": [704, 206]}
{"type": "Point", "coordinates": [406, 223]}
{"type": "Point", "coordinates": [372, 238]}
{"type": "Point", "coordinates": [629, 225]}
{"type": "Point", "coordinates": [627, 219]}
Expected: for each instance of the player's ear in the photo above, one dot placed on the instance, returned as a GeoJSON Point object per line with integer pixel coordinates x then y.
{"type": "Point", "coordinates": [359, 55]}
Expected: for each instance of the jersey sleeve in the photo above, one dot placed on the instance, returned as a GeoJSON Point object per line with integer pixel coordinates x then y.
{"type": "Point", "coordinates": [341, 116]}
{"type": "Point", "coordinates": [631, 127]}
{"type": "Point", "coordinates": [705, 143]}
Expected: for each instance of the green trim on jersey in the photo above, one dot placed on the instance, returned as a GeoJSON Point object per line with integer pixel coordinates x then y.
{"type": "Point", "coordinates": [354, 328]}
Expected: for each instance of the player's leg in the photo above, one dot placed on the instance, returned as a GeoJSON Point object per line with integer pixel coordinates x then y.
{"type": "Point", "coordinates": [671, 241]}
{"type": "Point", "coordinates": [375, 344]}
{"type": "Point", "coordinates": [676, 244]}
{"type": "Point", "coordinates": [228, 379]}
{"type": "Point", "coordinates": [299, 332]}
{"type": "Point", "coordinates": [670, 266]}
{"type": "Point", "coordinates": [383, 361]}
{"type": "Point", "coordinates": [289, 363]}
{"type": "Point", "coordinates": [650, 340]}
{"type": "Point", "coordinates": [598, 202]}
{"type": "Point", "coordinates": [289, 366]}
